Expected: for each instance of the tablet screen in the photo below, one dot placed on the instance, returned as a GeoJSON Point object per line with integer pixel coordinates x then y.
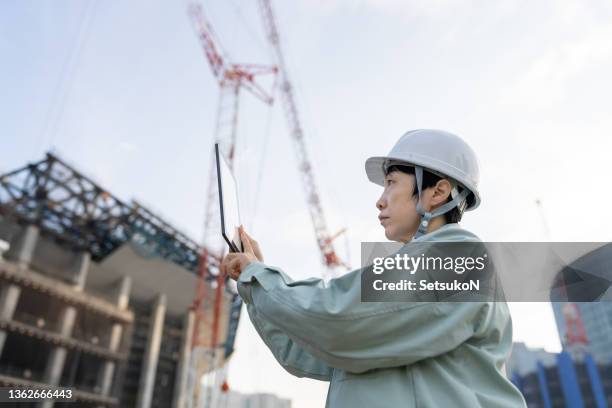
{"type": "Point", "coordinates": [228, 200]}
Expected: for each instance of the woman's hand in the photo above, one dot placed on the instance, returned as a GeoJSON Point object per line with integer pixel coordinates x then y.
{"type": "Point", "coordinates": [234, 263]}
{"type": "Point", "coordinates": [254, 244]}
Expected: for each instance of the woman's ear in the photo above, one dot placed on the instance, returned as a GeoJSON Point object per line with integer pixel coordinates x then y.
{"type": "Point", "coordinates": [442, 191]}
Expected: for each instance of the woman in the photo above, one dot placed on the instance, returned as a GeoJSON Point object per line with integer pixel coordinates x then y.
{"type": "Point", "coordinates": [411, 354]}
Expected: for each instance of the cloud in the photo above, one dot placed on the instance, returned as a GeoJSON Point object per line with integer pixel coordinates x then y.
{"type": "Point", "coordinates": [419, 8]}
{"type": "Point", "coordinates": [127, 146]}
{"type": "Point", "coordinates": [546, 80]}
{"type": "Point", "coordinates": [414, 9]}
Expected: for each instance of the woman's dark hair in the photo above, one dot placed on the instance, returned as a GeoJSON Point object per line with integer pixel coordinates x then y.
{"type": "Point", "coordinates": [430, 180]}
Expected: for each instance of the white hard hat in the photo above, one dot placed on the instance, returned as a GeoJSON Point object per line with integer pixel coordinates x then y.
{"type": "Point", "coordinates": [438, 152]}
{"type": "Point", "coordinates": [443, 153]}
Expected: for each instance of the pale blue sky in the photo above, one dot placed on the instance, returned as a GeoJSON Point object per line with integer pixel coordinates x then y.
{"type": "Point", "coordinates": [122, 91]}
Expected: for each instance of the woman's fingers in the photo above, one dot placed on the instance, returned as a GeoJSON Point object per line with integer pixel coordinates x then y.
{"type": "Point", "coordinates": [248, 247]}
{"type": "Point", "coordinates": [234, 267]}
{"type": "Point", "coordinates": [248, 236]}
{"type": "Point", "coordinates": [233, 263]}
{"type": "Point", "coordinates": [254, 245]}
{"type": "Point", "coordinates": [225, 263]}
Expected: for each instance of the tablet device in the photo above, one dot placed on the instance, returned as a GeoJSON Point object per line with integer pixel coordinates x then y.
{"type": "Point", "coordinates": [228, 203]}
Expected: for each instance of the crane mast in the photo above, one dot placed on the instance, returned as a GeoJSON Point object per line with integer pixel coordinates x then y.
{"type": "Point", "coordinates": [324, 238]}
{"type": "Point", "coordinates": [231, 78]}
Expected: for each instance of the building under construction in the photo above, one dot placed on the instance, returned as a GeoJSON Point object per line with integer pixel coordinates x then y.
{"type": "Point", "coordinates": [96, 294]}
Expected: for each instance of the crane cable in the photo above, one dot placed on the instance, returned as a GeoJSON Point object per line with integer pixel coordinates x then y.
{"type": "Point", "coordinates": [66, 78]}
{"type": "Point", "coordinates": [262, 160]}
{"type": "Point", "coordinates": [253, 34]}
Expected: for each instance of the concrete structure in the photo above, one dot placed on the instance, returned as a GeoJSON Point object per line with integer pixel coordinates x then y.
{"type": "Point", "coordinates": [182, 376]}
{"type": "Point", "coordinates": [151, 355]}
{"type": "Point", "coordinates": [121, 300]}
{"type": "Point", "coordinates": [551, 380]}
{"type": "Point", "coordinates": [95, 294]}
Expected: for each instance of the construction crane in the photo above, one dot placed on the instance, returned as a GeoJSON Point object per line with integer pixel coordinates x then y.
{"type": "Point", "coordinates": [324, 238]}
{"type": "Point", "coordinates": [576, 337]}
{"type": "Point", "coordinates": [231, 78]}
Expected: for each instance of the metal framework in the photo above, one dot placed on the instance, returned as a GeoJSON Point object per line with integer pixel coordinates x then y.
{"type": "Point", "coordinates": [83, 216]}
{"type": "Point", "coordinates": [324, 238]}
{"type": "Point", "coordinates": [232, 78]}
{"type": "Point", "coordinates": [576, 334]}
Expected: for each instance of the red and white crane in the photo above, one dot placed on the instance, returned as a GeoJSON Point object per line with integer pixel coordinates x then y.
{"type": "Point", "coordinates": [324, 238]}
{"type": "Point", "coordinates": [576, 337]}
{"type": "Point", "coordinates": [232, 78]}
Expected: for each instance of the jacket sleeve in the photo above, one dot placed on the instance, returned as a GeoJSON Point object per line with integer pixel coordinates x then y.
{"type": "Point", "coordinates": [331, 324]}
{"type": "Point", "coordinates": [290, 356]}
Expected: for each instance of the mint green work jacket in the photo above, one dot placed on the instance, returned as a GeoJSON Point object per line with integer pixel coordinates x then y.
{"type": "Point", "coordinates": [400, 354]}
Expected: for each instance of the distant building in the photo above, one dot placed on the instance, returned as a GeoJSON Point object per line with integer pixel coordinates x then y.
{"type": "Point", "coordinates": [266, 401]}
{"type": "Point", "coordinates": [556, 380]}
{"type": "Point", "coordinates": [234, 399]}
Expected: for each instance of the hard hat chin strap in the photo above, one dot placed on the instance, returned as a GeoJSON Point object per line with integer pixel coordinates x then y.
{"type": "Point", "coordinates": [459, 199]}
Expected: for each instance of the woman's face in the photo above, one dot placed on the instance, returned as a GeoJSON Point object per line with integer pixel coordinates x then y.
{"type": "Point", "coordinates": [397, 207]}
